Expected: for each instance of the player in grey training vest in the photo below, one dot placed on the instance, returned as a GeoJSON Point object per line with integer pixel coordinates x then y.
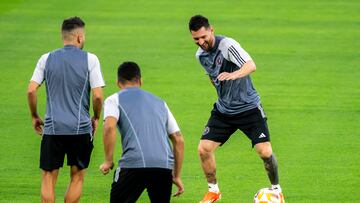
{"type": "Point", "coordinates": [146, 125]}
{"type": "Point", "coordinates": [70, 74]}
{"type": "Point", "coordinates": [238, 106]}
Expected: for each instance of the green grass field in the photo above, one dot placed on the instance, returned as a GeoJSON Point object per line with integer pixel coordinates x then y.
{"type": "Point", "coordinates": [307, 55]}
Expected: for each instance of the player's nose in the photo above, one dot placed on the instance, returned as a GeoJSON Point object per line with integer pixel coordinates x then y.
{"type": "Point", "coordinates": [201, 42]}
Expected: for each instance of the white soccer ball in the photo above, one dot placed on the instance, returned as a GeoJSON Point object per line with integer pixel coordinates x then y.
{"type": "Point", "coordinates": [267, 195]}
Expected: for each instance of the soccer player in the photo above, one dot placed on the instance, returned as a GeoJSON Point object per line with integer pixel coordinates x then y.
{"type": "Point", "coordinates": [146, 125]}
{"type": "Point", "coordinates": [70, 74]}
{"type": "Point", "coordinates": [238, 106]}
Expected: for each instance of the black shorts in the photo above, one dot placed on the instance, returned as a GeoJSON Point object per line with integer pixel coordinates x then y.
{"type": "Point", "coordinates": [252, 122]}
{"type": "Point", "coordinates": [129, 183]}
{"type": "Point", "coordinates": [77, 148]}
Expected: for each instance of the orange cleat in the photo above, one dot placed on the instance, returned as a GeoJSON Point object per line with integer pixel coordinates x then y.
{"type": "Point", "coordinates": [211, 197]}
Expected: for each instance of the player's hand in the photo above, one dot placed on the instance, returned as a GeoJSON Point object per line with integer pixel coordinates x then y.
{"type": "Point", "coordinates": [227, 76]}
{"type": "Point", "coordinates": [94, 123]}
{"type": "Point", "coordinates": [37, 125]}
{"type": "Point", "coordinates": [106, 167]}
{"type": "Point", "coordinates": [177, 181]}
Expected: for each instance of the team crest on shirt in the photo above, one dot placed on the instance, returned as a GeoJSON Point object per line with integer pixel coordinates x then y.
{"type": "Point", "coordinates": [206, 130]}
{"type": "Point", "coordinates": [219, 60]}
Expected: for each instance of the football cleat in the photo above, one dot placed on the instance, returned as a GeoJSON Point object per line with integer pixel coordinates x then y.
{"type": "Point", "coordinates": [210, 197]}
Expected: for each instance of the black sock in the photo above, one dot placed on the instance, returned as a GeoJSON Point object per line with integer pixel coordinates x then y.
{"type": "Point", "coordinates": [271, 167]}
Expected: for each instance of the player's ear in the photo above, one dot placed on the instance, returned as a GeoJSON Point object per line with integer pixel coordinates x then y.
{"type": "Point", "coordinates": [81, 38]}
{"type": "Point", "coordinates": [78, 39]}
{"type": "Point", "coordinates": [140, 82]}
{"type": "Point", "coordinates": [119, 84]}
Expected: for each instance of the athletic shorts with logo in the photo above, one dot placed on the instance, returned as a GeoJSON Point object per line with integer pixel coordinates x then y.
{"type": "Point", "coordinates": [77, 148]}
{"type": "Point", "coordinates": [252, 123]}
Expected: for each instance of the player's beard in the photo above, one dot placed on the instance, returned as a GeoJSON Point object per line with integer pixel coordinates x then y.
{"type": "Point", "coordinates": [208, 46]}
{"type": "Point", "coordinates": [205, 46]}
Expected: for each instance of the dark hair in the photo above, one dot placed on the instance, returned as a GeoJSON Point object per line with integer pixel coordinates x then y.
{"type": "Point", "coordinates": [128, 71]}
{"type": "Point", "coordinates": [198, 21]}
{"type": "Point", "coordinates": [72, 23]}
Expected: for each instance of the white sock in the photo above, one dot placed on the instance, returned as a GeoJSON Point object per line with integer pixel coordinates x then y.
{"type": "Point", "coordinates": [214, 188]}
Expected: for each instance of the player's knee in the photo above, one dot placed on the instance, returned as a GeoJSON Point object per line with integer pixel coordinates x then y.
{"type": "Point", "coordinates": [265, 153]}
{"type": "Point", "coordinates": [206, 148]}
{"type": "Point", "coordinates": [264, 150]}
{"type": "Point", "coordinates": [77, 177]}
{"type": "Point", "coordinates": [203, 150]}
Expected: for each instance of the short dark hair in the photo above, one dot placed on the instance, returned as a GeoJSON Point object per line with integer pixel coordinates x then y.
{"type": "Point", "coordinates": [72, 23]}
{"type": "Point", "coordinates": [198, 21]}
{"type": "Point", "coordinates": [128, 71]}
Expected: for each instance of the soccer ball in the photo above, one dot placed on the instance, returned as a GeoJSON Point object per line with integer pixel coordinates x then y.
{"type": "Point", "coordinates": [267, 195]}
